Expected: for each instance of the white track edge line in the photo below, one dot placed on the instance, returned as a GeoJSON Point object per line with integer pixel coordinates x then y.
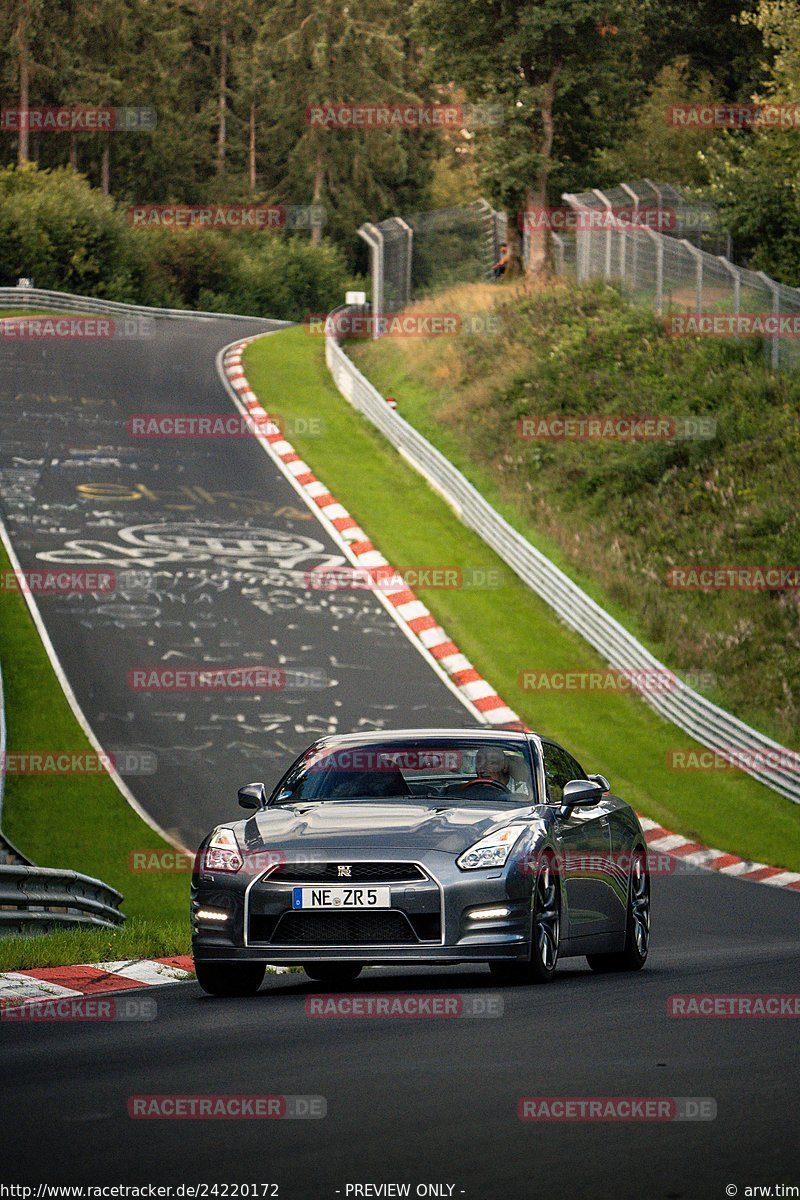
{"type": "Point", "coordinates": [72, 699]}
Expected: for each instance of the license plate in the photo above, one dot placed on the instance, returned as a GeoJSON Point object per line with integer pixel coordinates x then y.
{"type": "Point", "coordinates": [341, 897]}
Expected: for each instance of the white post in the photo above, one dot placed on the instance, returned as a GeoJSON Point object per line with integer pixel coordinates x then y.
{"type": "Point", "coordinates": [635, 198]}
{"type": "Point", "coordinates": [604, 200]}
{"type": "Point", "coordinates": [581, 243]}
{"type": "Point", "coordinates": [697, 255]}
{"type": "Point", "coordinates": [659, 245]}
{"type": "Point", "coordinates": [776, 310]}
{"type": "Point", "coordinates": [736, 276]}
{"type": "Point", "coordinates": [659, 200]}
{"type": "Point", "coordinates": [374, 239]}
{"type": "Point", "coordinates": [409, 251]}
{"type": "Point", "coordinates": [559, 244]}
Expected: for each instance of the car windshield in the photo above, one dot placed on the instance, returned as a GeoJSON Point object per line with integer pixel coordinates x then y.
{"type": "Point", "coordinates": [453, 770]}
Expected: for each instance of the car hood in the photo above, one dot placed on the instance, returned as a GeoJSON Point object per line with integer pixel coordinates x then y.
{"type": "Point", "coordinates": [370, 826]}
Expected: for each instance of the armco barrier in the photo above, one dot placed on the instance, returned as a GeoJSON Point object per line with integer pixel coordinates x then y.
{"type": "Point", "coordinates": [697, 716]}
{"type": "Point", "coordinates": [36, 298]}
{"type": "Point", "coordinates": [38, 900]}
{"type": "Point", "coordinates": [9, 854]}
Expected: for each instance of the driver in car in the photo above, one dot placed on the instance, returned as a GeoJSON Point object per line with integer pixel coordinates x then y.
{"type": "Point", "coordinates": [491, 767]}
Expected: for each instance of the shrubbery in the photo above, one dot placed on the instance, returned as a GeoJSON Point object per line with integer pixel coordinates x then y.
{"type": "Point", "coordinates": [68, 236]}
{"type": "Point", "coordinates": [62, 233]}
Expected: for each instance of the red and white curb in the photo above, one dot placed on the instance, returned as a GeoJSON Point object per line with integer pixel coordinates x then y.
{"type": "Point", "coordinates": [421, 625]}
{"type": "Point", "coordinates": [41, 984]}
{"type": "Point", "coordinates": [406, 607]}
{"type": "Point", "coordinates": [697, 855]}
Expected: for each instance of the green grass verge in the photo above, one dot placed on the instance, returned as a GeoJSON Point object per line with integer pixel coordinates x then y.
{"type": "Point", "coordinates": [75, 822]}
{"type": "Point", "coordinates": [508, 630]}
{"type": "Point", "coordinates": [617, 516]}
{"type": "Point", "coordinates": [138, 938]}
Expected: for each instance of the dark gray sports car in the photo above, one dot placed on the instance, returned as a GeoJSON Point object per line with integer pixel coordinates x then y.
{"type": "Point", "coordinates": [423, 846]}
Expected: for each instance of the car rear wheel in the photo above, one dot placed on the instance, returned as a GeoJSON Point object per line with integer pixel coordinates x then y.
{"type": "Point", "coordinates": [335, 974]}
{"type": "Point", "coordinates": [545, 932]}
{"type": "Point", "coordinates": [637, 928]}
{"type": "Point", "coordinates": [230, 979]}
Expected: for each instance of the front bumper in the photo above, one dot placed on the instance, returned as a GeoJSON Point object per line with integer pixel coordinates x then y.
{"type": "Point", "coordinates": [429, 920]}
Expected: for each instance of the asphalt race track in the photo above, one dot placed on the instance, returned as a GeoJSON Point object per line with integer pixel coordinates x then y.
{"type": "Point", "coordinates": [435, 1100]}
{"type": "Point", "coordinates": [210, 548]}
{"type": "Point", "coordinates": [416, 1101]}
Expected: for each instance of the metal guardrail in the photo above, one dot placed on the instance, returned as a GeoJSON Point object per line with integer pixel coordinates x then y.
{"type": "Point", "coordinates": [9, 854]}
{"type": "Point", "coordinates": [691, 712]}
{"type": "Point", "coordinates": [39, 899]}
{"type": "Point", "coordinates": [66, 302]}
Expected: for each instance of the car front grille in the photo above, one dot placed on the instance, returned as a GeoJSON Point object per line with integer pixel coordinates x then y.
{"type": "Point", "coordinates": [343, 929]}
{"type": "Point", "coordinates": [360, 872]}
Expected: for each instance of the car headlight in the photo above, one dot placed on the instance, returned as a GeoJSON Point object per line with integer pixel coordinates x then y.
{"type": "Point", "coordinates": [491, 851]}
{"type": "Point", "coordinates": [222, 853]}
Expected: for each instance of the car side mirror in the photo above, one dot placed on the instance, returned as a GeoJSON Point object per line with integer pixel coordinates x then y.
{"type": "Point", "coordinates": [580, 793]}
{"type": "Point", "coordinates": [253, 795]}
{"type": "Point", "coordinates": [601, 779]}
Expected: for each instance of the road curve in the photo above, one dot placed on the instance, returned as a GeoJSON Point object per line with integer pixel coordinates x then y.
{"type": "Point", "coordinates": [210, 547]}
{"type": "Point", "coordinates": [417, 1101]}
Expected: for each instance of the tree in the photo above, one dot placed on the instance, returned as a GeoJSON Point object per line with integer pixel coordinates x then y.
{"type": "Point", "coordinates": [251, 63]}
{"type": "Point", "coordinates": [653, 147]}
{"type": "Point", "coordinates": [32, 35]}
{"type": "Point", "coordinates": [540, 60]}
{"type": "Point", "coordinates": [709, 36]}
{"type": "Point", "coordinates": [328, 53]}
{"type": "Point", "coordinates": [755, 174]}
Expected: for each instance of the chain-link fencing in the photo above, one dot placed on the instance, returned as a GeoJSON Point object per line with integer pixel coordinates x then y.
{"type": "Point", "coordinates": [661, 247]}
{"type": "Point", "coordinates": [669, 252]}
{"type": "Point", "coordinates": [425, 252]}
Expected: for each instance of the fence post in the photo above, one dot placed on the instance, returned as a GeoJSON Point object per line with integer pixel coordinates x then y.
{"type": "Point", "coordinates": [374, 239]}
{"type": "Point", "coordinates": [659, 244]}
{"type": "Point", "coordinates": [776, 311]}
{"type": "Point", "coordinates": [634, 266]}
{"type": "Point", "coordinates": [659, 199]}
{"type": "Point", "coordinates": [604, 200]}
{"type": "Point", "coordinates": [559, 244]}
{"type": "Point", "coordinates": [581, 240]}
{"type": "Point", "coordinates": [697, 255]}
{"type": "Point", "coordinates": [736, 276]}
{"type": "Point", "coordinates": [409, 252]}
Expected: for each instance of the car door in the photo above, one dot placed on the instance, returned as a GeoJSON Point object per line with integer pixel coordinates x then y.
{"type": "Point", "coordinates": [585, 837]}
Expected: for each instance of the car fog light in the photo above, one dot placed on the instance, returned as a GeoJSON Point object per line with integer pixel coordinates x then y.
{"type": "Point", "coordinates": [211, 914]}
{"type": "Point", "coordinates": [488, 914]}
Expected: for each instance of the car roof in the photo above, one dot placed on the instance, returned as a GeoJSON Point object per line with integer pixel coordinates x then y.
{"type": "Point", "coordinates": [480, 732]}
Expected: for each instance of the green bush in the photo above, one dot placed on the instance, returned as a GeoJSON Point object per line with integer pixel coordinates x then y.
{"type": "Point", "coordinates": [68, 236]}
{"type": "Point", "coordinates": [180, 265]}
{"type": "Point", "coordinates": [62, 233]}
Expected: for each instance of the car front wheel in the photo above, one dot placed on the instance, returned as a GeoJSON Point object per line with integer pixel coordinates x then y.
{"type": "Point", "coordinates": [230, 979]}
{"type": "Point", "coordinates": [545, 931]}
{"type": "Point", "coordinates": [637, 927]}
